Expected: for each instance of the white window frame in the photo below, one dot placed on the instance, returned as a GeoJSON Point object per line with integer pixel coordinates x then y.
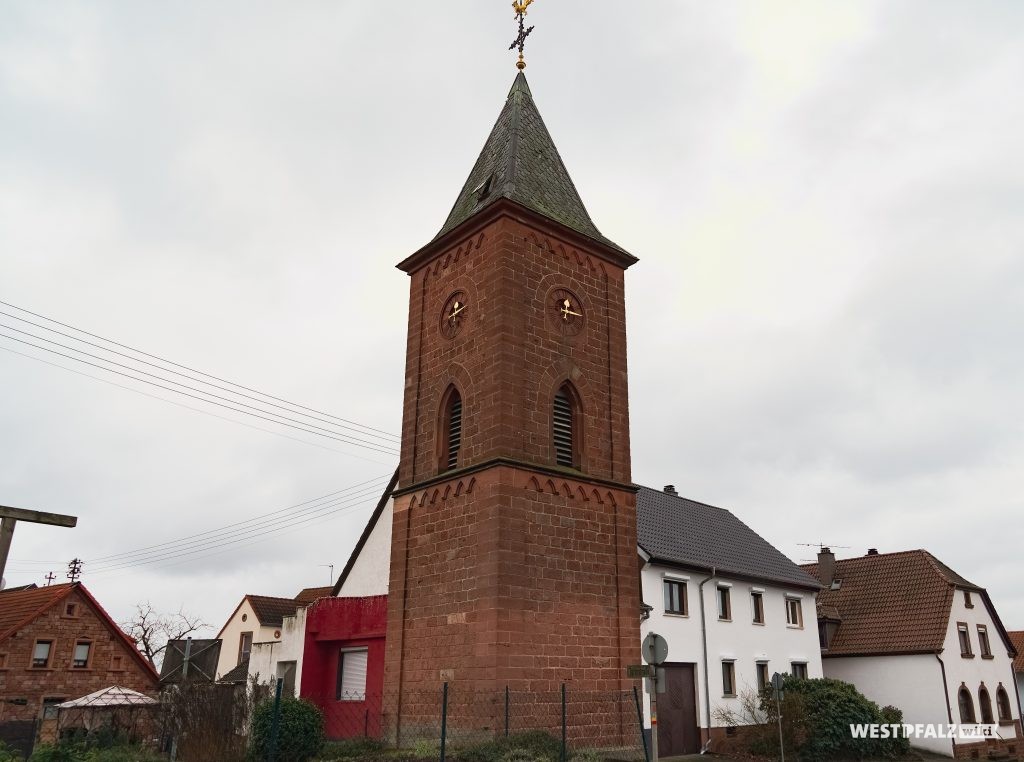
{"type": "Point", "coordinates": [356, 694]}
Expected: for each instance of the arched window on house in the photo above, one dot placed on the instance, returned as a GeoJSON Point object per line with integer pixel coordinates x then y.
{"type": "Point", "coordinates": [1003, 704]}
{"type": "Point", "coordinates": [565, 425]}
{"type": "Point", "coordinates": [985, 702]}
{"type": "Point", "coordinates": [450, 439]}
{"type": "Point", "coordinates": [967, 716]}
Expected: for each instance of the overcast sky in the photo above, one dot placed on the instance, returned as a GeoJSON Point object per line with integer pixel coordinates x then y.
{"type": "Point", "coordinates": [825, 325]}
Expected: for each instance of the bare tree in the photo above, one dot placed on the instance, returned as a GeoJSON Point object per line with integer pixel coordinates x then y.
{"type": "Point", "coordinates": [152, 630]}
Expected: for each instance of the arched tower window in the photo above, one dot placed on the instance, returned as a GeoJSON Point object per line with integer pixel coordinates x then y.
{"type": "Point", "coordinates": [967, 716]}
{"type": "Point", "coordinates": [986, 705]}
{"type": "Point", "coordinates": [565, 424]}
{"type": "Point", "coordinates": [450, 440]}
{"type": "Point", "coordinates": [1003, 703]}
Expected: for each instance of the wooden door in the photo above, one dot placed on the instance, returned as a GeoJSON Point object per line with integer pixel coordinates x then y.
{"type": "Point", "coordinates": [677, 712]}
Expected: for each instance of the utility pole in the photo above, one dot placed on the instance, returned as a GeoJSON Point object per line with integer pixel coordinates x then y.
{"type": "Point", "coordinates": [11, 516]}
{"type": "Point", "coordinates": [50, 577]}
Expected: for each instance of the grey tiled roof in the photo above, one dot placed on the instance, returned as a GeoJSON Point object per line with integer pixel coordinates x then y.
{"type": "Point", "coordinates": [685, 532]}
{"type": "Point", "coordinates": [522, 164]}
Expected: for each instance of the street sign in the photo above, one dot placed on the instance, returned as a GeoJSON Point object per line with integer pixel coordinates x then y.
{"type": "Point", "coordinates": [636, 671]}
{"type": "Point", "coordinates": [777, 686]}
{"type": "Point", "coordinates": [654, 649]}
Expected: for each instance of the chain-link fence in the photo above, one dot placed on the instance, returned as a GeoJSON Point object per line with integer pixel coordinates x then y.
{"type": "Point", "coordinates": [603, 725]}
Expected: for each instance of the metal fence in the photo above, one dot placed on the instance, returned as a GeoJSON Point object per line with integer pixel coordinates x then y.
{"type": "Point", "coordinates": [603, 725]}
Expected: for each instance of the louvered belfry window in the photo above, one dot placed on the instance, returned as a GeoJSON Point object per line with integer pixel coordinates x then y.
{"type": "Point", "coordinates": [454, 430]}
{"type": "Point", "coordinates": [563, 429]}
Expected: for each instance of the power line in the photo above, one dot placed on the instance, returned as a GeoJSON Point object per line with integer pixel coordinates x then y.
{"type": "Point", "coordinates": [380, 435]}
{"type": "Point", "coordinates": [228, 537]}
{"type": "Point", "coordinates": [193, 396]}
{"type": "Point", "coordinates": [174, 548]}
{"type": "Point", "coordinates": [187, 407]}
{"type": "Point", "coordinates": [353, 439]}
{"type": "Point", "coordinates": [185, 367]}
{"type": "Point", "coordinates": [340, 506]}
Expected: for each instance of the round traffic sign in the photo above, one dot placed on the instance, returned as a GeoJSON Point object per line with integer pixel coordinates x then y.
{"type": "Point", "coordinates": [654, 649]}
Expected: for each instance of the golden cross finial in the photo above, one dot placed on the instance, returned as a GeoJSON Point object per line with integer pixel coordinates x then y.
{"type": "Point", "coordinates": [520, 7]}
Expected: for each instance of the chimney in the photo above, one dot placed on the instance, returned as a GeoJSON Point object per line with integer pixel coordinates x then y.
{"type": "Point", "coordinates": [826, 566]}
{"type": "Point", "coordinates": [670, 489]}
{"type": "Point", "coordinates": [872, 551]}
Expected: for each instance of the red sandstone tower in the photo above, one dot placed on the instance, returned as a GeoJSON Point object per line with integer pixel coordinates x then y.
{"type": "Point", "coordinates": [513, 559]}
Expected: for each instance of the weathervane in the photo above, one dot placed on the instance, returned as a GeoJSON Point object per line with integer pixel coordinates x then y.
{"type": "Point", "coordinates": [520, 41]}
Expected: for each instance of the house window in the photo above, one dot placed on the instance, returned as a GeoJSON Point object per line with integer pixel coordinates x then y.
{"type": "Point", "coordinates": [3, 661]}
{"type": "Point", "coordinates": [563, 428]}
{"type": "Point", "coordinates": [352, 675]}
{"type": "Point", "coordinates": [452, 430]}
{"type": "Point", "coordinates": [967, 716]}
{"type": "Point", "coordinates": [983, 644]}
{"type": "Point", "coordinates": [763, 680]}
{"type": "Point", "coordinates": [794, 613]}
{"type": "Point", "coordinates": [823, 635]}
{"type": "Point", "coordinates": [728, 678]}
{"type": "Point", "coordinates": [799, 670]}
{"type": "Point", "coordinates": [675, 597]}
{"type": "Point", "coordinates": [71, 610]}
{"type": "Point", "coordinates": [968, 603]}
{"type": "Point", "coordinates": [965, 640]}
{"type": "Point", "coordinates": [41, 653]}
{"type": "Point", "coordinates": [986, 705]}
{"type": "Point", "coordinates": [244, 646]}
{"type": "Point", "coordinates": [81, 657]}
{"type": "Point", "coordinates": [116, 663]}
{"type": "Point", "coordinates": [757, 604]}
{"type": "Point", "coordinates": [724, 604]}
{"type": "Point", "coordinates": [50, 710]}
{"type": "Point", "coordinates": [1003, 704]}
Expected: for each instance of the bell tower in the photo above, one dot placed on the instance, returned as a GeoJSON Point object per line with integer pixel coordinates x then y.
{"type": "Point", "coordinates": [513, 559]}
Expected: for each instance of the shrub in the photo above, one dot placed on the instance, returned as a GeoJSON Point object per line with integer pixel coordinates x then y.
{"type": "Point", "coordinates": [829, 708]}
{"type": "Point", "coordinates": [533, 746]}
{"type": "Point", "coordinates": [65, 752]}
{"type": "Point", "coordinates": [8, 754]}
{"type": "Point", "coordinates": [352, 748]}
{"type": "Point", "coordinates": [300, 731]}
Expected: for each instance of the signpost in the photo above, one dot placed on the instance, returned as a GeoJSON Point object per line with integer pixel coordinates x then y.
{"type": "Point", "coordinates": [10, 516]}
{"type": "Point", "coordinates": [654, 649]}
{"type": "Point", "coordinates": [778, 693]}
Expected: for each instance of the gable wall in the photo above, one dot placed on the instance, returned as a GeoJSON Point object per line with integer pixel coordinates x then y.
{"type": "Point", "coordinates": [370, 573]}
{"type": "Point", "coordinates": [231, 634]}
{"type": "Point", "coordinates": [19, 680]}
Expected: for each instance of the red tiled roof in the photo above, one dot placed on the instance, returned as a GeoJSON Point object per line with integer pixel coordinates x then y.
{"type": "Point", "coordinates": [19, 607]}
{"type": "Point", "coordinates": [1017, 638]}
{"type": "Point", "coordinates": [890, 603]}
{"type": "Point", "coordinates": [307, 595]}
{"type": "Point", "coordinates": [270, 611]}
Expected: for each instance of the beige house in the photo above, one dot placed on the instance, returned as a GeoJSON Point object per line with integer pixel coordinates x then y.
{"type": "Point", "coordinates": [258, 619]}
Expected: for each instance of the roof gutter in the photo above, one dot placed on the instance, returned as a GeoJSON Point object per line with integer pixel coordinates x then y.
{"type": "Point", "coordinates": [704, 650]}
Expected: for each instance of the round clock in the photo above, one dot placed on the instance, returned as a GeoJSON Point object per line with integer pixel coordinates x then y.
{"type": "Point", "coordinates": [566, 311]}
{"type": "Point", "coordinates": [453, 315]}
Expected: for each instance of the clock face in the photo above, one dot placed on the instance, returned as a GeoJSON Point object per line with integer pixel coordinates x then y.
{"type": "Point", "coordinates": [566, 311]}
{"type": "Point", "coordinates": [453, 315]}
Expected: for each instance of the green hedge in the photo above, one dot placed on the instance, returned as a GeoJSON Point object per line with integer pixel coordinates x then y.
{"type": "Point", "coordinates": [300, 733]}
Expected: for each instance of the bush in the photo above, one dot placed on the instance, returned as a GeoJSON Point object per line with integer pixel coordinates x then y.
{"type": "Point", "coordinates": [7, 754]}
{"type": "Point", "coordinates": [534, 746]}
{"type": "Point", "coordinates": [351, 748]}
{"type": "Point", "coordinates": [78, 752]}
{"type": "Point", "coordinates": [300, 731]}
{"type": "Point", "coordinates": [829, 707]}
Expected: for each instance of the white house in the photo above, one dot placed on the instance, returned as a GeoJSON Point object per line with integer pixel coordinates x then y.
{"type": "Point", "coordinates": [910, 632]}
{"type": "Point", "coordinates": [258, 619]}
{"type": "Point", "coordinates": [733, 609]}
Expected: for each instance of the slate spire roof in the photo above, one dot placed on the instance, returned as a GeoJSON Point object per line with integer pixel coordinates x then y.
{"type": "Point", "coordinates": [519, 162]}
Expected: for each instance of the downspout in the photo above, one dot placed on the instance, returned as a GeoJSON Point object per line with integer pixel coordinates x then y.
{"type": "Point", "coordinates": [945, 692]}
{"type": "Point", "coordinates": [704, 649]}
